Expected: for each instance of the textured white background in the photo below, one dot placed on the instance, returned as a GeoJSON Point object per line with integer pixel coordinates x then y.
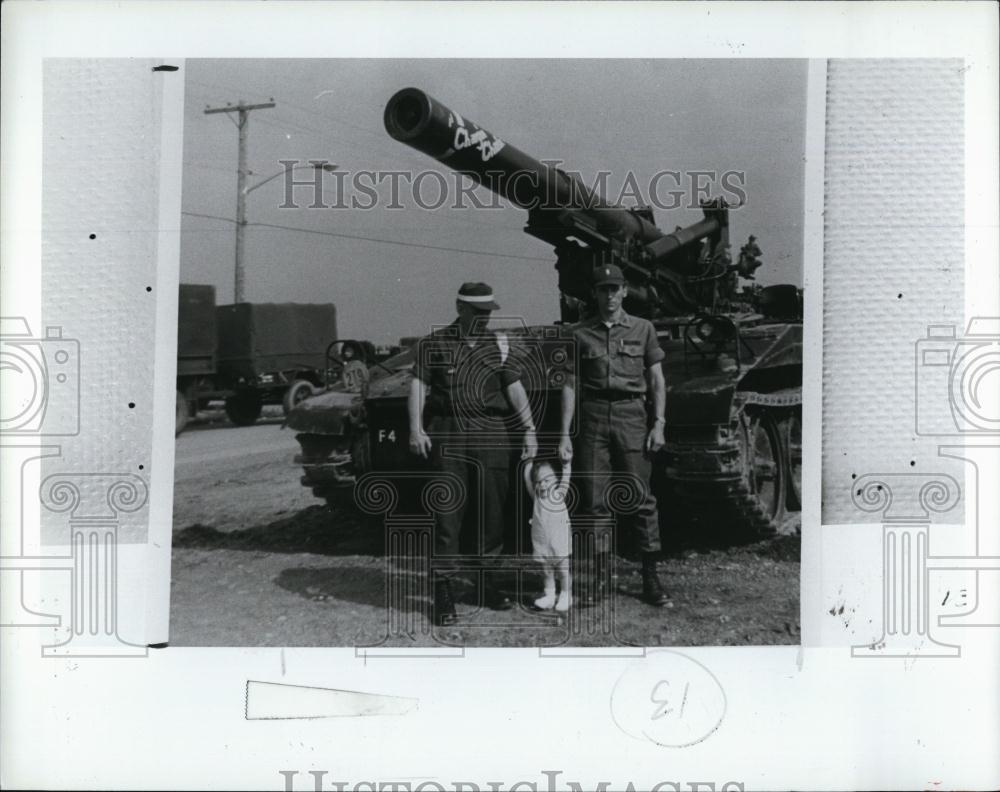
{"type": "Point", "coordinates": [101, 151]}
{"type": "Point", "coordinates": [797, 718]}
{"type": "Point", "coordinates": [111, 150]}
{"type": "Point", "coordinates": [893, 263]}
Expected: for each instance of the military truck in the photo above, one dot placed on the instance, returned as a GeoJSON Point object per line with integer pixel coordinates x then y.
{"type": "Point", "coordinates": [248, 354]}
{"type": "Point", "coordinates": [732, 461]}
{"type": "Point", "coordinates": [197, 345]}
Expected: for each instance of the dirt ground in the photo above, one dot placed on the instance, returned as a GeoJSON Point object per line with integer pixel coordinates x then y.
{"type": "Point", "coordinates": [258, 561]}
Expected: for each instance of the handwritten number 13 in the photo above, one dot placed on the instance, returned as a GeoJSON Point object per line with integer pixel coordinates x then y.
{"type": "Point", "coordinates": [663, 705]}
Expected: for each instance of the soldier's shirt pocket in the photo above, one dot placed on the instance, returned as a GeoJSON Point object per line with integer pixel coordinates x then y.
{"type": "Point", "coordinates": [631, 358]}
{"type": "Point", "coordinates": [440, 361]}
{"type": "Point", "coordinates": [594, 362]}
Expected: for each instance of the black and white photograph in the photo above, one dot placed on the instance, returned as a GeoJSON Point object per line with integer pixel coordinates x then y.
{"type": "Point", "coordinates": [499, 396]}
{"type": "Point", "coordinates": [353, 235]}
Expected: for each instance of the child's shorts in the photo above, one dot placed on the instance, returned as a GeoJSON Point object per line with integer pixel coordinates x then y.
{"type": "Point", "coordinates": [550, 542]}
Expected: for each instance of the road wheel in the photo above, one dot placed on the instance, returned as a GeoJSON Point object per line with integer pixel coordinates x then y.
{"type": "Point", "coordinates": [297, 392]}
{"type": "Point", "coordinates": [761, 491]}
{"type": "Point", "coordinates": [243, 409]}
{"type": "Point", "coordinates": [793, 429]}
{"type": "Point", "coordinates": [181, 418]}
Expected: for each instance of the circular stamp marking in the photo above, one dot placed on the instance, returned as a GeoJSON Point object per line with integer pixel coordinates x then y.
{"type": "Point", "coordinates": [669, 699]}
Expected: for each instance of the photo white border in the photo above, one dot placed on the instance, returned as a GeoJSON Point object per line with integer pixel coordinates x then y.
{"type": "Point", "coordinates": [189, 701]}
{"type": "Point", "coordinates": [810, 599]}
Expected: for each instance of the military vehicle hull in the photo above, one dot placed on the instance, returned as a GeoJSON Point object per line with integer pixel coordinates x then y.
{"type": "Point", "coordinates": [730, 469]}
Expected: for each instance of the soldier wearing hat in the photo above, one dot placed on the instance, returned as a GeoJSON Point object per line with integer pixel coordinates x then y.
{"type": "Point", "coordinates": [471, 387]}
{"type": "Point", "coordinates": [620, 421]}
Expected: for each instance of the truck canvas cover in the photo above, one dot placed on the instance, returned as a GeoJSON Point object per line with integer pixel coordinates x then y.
{"type": "Point", "coordinates": [196, 334]}
{"type": "Point", "coordinates": [255, 338]}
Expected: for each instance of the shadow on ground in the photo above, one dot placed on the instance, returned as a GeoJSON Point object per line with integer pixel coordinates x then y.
{"type": "Point", "coordinates": [206, 420]}
{"type": "Point", "coordinates": [343, 532]}
{"type": "Point", "coordinates": [363, 584]}
{"type": "Point", "coordinates": [315, 529]}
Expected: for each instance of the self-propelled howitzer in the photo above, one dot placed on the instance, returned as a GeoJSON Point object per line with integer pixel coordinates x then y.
{"type": "Point", "coordinates": [732, 460]}
{"type": "Point", "coordinates": [668, 274]}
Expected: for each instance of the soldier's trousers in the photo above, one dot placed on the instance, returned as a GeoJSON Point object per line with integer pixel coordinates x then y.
{"type": "Point", "coordinates": [610, 465]}
{"type": "Point", "coordinates": [474, 455]}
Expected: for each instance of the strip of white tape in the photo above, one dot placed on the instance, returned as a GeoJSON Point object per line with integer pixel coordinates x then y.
{"type": "Point", "coordinates": [275, 701]}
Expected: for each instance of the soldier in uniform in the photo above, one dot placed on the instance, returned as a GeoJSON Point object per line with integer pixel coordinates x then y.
{"type": "Point", "coordinates": [472, 388]}
{"type": "Point", "coordinates": [749, 260]}
{"type": "Point", "coordinates": [619, 426]}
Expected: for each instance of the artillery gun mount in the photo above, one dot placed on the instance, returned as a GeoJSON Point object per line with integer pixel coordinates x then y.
{"type": "Point", "coordinates": [731, 468]}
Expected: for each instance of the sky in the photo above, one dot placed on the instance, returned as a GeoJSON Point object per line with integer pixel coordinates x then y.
{"type": "Point", "coordinates": [618, 116]}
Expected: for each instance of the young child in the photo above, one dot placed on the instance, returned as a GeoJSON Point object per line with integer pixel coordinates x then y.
{"type": "Point", "coordinates": [355, 374]}
{"type": "Point", "coordinates": [550, 529]}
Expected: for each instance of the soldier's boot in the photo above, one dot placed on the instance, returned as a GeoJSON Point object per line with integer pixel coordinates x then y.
{"type": "Point", "coordinates": [495, 597]}
{"type": "Point", "coordinates": [595, 584]}
{"type": "Point", "coordinates": [652, 591]}
{"type": "Point", "coordinates": [444, 603]}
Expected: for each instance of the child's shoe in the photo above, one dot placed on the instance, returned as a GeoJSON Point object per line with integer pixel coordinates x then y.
{"type": "Point", "coordinates": [564, 602]}
{"type": "Point", "coordinates": [547, 601]}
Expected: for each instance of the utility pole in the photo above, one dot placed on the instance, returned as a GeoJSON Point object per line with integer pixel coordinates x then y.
{"type": "Point", "coordinates": [241, 180]}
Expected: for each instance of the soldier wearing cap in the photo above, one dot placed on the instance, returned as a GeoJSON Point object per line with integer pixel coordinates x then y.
{"type": "Point", "coordinates": [471, 389]}
{"type": "Point", "coordinates": [619, 425]}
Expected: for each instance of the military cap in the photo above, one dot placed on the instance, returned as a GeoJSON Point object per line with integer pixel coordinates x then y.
{"type": "Point", "coordinates": [607, 273]}
{"type": "Point", "coordinates": [478, 295]}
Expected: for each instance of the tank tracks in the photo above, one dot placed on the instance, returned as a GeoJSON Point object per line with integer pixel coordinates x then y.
{"type": "Point", "coordinates": [763, 500]}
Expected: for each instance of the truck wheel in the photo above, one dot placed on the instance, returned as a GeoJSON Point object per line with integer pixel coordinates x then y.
{"type": "Point", "coordinates": [243, 409]}
{"type": "Point", "coordinates": [181, 418]}
{"type": "Point", "coordinates": [298, 391]}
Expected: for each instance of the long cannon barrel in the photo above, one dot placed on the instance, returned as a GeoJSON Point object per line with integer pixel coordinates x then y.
{"type": "Point", "coordinates": [420, 121]}
{"type": "Point", "coordinates": [716, 219]}
{"type": "Point", "coordinates": [666, 273]}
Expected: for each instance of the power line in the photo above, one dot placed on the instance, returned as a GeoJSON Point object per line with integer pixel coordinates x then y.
{"type": "Point", "coordinates": [396, 155]}
{"type": "Point", "coordinates": [460, 219]}
{"type": "Point", "coordinates": [312, 111]}
{"type": "Point", "coordinates": [285, 124]}
{"type": "Point", "coordinates": [375, 145]}
{"type": "Point", "coordinates": [376, 139]}
{"type": "Point", "coordinates": [402, 244]}
{"type": "Point", "coordinates": [379, 240]}
{"type": "Point", "coordinates": [209, 217]}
